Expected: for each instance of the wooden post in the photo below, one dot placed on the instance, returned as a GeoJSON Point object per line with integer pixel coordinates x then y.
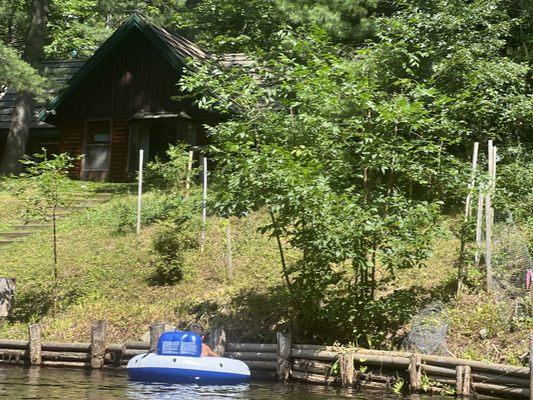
{"type": "Point", "coordinates": [217, 341]}
{"type": "Point", "coordinates": [98, 344]}
{"type": "Point", "coordinates": [156, 330]}
{"type": "Point", "coordinates": [35, 344]}
{"type": "Point", "coordinates": [229, 257]}
{"type": "Point", "coordinates": [530, 367]}
{"type": "Point", "coordinates": [415, 372]}
{"type": "Point", "coordinates": [467, 380]}
{"type": "Point", "coordinates": [140, 190]}
{"type": "Point", "coordinates": [488, 225]}
{"type": "Point", "coordinates": [7, 294]}
{"type": "Point", "coordinates": [204, 202]}
{"type": "Point", "coordinates": [189, 169]}
{"type": "Point", "coordinates": [347, 369]}
{"type": "Point", "coordinates": [468, 212]}
{"type": "Point", "coordinates": [284, 356]}
{"type": "Point", "coordinates": [471, 184]}
{"type": "Point", "coordinates": [459, 380]}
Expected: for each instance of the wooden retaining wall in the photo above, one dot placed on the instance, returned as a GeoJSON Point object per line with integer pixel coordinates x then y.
{"type": "Point", "coordinates": [327, 365]}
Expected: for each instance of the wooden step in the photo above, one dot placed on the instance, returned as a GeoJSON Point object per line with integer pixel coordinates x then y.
{"type": "Point", "coordinates": [32, 226]}
{"type": "Point", "coordinates": [7, 241]}
{"type": "Point", "coordinates": [14, 235]}
{"type": "Point", "coordinates": [58, 216]}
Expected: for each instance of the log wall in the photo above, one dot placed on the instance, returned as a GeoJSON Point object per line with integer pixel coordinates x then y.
{"type": "Point", "coordinates": [328, 365]}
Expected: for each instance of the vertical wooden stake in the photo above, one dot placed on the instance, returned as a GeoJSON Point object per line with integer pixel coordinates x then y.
{"type": "Point", "coordinates": [467, 380]}
{"type": "Point", "coordinates": [7, 294]}
{"type": "Point", "coordinates": [189, 169]}
{"type": "Point", "coordinates": [229, 256]}
{"type": "Point", "coordinates": [415, 372]}
{"type": "Point", "coordinates": [140, 191]}
{"type": "Point", "coordinates": [98, 344]}
{"type": "Point", "coordinates": [35, 344]}
{"type": "Point", "coordinates": [530, 367]}
{"type": "Point", "coordinates": [156, 330]}
{"type": "Point", "coordinates": [284, 356]}
{"type": "Point", "coordinates": [468, 202]}
{"type": "Point", "coordinates": [204, 203]}
{"type": "Point", "coordinates": [468, 209]}
{"type": "Point", "coordinates": [488, 225]}
{"type": "Point", "coordinates": [217, 341]}
{"type": "Point", "coordinates": [347, 369]}
{"type": "Point", "coordinates": [459, 380]}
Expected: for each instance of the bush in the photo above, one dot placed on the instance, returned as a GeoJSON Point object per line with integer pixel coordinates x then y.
{"type": "Point", "coordinates": [169, 247]}
{"type": "Point", "coordinates": [169, 175]}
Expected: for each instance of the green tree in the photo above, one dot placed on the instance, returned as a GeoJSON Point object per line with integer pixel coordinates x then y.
{"type": "Point", "coordinates": [19, 130]}
{"type": "Point", "coordinates": [353, 153]}
{"type": "Point", "coordinates": [18, 75]}
{"type": "Point", "coordinates": [43, 188]}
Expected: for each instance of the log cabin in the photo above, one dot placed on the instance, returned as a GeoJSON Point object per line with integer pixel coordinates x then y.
{"type": "Point", "coordinates": [117, 102]}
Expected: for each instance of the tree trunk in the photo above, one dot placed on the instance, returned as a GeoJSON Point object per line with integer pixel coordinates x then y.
{"type": "Point", "coordinates": [23, 109]}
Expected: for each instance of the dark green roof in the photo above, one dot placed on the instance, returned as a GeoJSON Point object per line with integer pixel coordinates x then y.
{"type": "Point", "coordinates": [58, 73]}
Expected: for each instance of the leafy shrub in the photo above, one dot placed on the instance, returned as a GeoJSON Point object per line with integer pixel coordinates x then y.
{"type": "Point", "coordinates": [169, 175]}
{"type": "Point", "coordinates": [169, 246]}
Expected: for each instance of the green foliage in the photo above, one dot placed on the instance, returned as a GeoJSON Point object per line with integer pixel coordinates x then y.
{"type": "Point", "coordinates": [514, 181]}
{"type": "Point", "coordinates": [44, 186]}
{"type": "Point", "coordinates": [169, 246]}
{"type": "Point", "coordinates": [19, 75]}
{"type": "Point", "coordinates": [171, 174]}
{"type": "Point", "coordinates": [398, 386]}
{"type": "Point", "coordinates": [353, 153]}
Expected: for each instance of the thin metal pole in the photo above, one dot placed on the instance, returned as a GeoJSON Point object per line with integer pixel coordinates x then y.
{"type": "Point", "coordinates": [530, 367]}
{"type": "Point", "coordinates": [140, 191]}
{"type": "Point", "coordinates": [479, 227]}
{"type": "Point", "coordinates": [204, 203]}
{"type": "Point", "coordinates": [189, 169]}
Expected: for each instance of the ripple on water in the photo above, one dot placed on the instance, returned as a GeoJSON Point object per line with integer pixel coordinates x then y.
{"type": "Point", "coordinates": [72, 384]}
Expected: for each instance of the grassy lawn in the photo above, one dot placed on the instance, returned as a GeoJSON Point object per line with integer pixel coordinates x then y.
{"type": "Point", "coordinates": [105, 274]}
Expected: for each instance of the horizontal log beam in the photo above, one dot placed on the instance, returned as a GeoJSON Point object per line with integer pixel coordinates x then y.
{"type": "Point", "coordinates": [480, 377]}
{"type": "Point", "coordinates": [476, 365]}
{"type": "Point", "coordinates": [8, 355]}
{"type": "Point", "coordinates": [138, 345]}
{"type": "Point", "coordinates": [312, 378]}
{"type": "Point", "coordinates": [262, 365]}
{"type": "Point", "coordinates": [257, 356]}
{"type": "Point", "coordinates": [314, 355]}
{"type": "Point", "coordinates": [14, 344]}
{"type": "Point", "coordinates": [312, 366]}
{"type": "Point", "coordinates": [382, 360]}
{"type": "Point", "coordinates": [65, 356]}
{"type": "Point", "coordinates": [253, 347]}
{"type": "Point", "coordinates": [74, 347]}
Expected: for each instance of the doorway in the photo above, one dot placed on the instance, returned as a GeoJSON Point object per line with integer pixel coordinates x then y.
{"type": "Point", "coordinates": [154, 136]}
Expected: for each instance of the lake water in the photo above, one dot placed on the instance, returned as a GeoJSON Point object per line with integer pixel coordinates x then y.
{"type": "Point", "coordinates": [61, 383]}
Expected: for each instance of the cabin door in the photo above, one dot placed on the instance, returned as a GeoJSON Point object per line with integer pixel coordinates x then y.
{"type": "Point", "coordinates": [155, 136]}
{"type": "Point", "coordinates": [97, 150]}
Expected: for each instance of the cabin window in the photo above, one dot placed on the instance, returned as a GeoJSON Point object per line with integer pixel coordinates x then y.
{"type": "Point", "coordinates": [97, 140]}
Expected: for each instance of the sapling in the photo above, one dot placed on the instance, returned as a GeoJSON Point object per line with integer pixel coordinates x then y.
{"type": "Point", "coordinates": [43, 188]}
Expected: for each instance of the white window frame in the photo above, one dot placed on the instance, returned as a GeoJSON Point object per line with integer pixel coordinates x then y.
{"type": "Point", "coordinates": [94, 145]}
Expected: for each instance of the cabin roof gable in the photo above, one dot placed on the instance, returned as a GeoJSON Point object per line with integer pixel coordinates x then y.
{"type": "Point", "coordinates": [174, 49]}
